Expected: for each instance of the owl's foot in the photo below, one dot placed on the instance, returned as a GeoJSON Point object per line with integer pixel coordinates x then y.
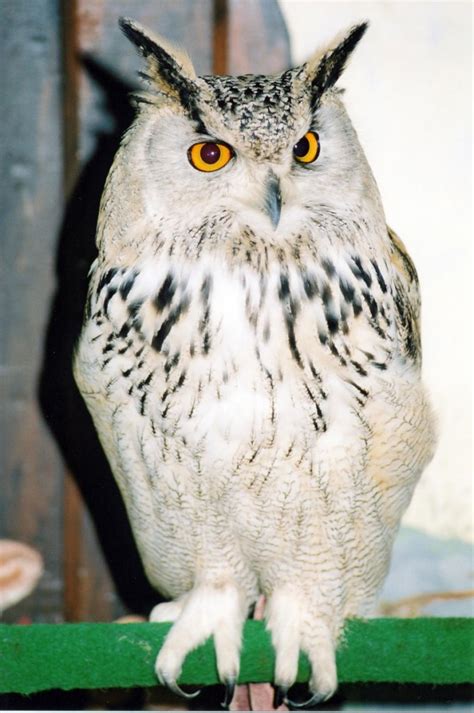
{"type": "Point", "coordinates": [207, 610]}
{"type": "Point", "coordinates": [280, 696]}
{"type": "Point", "coordinates": [294, 628]}
{"type": "Point", "coordinates": [174, 688]}
{"type": "Point", "coordinates": [167, 611]}
{"type": "Point", "coordinates": [229, 693]}
{"type": "Point", "coordinates": [309, 703]}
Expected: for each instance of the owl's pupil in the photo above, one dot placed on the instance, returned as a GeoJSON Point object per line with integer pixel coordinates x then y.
{"type": "Point", "coordinates": [210, 153]}
{"type": "Point", "coordinates": [302, 147]}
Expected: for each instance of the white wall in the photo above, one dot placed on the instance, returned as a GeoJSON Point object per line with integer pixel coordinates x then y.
{"type": "Point", "coordinates": [409, 96]}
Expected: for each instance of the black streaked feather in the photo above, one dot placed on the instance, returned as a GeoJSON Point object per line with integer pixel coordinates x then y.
{"type": "Point", "coordinates": [332, 64]}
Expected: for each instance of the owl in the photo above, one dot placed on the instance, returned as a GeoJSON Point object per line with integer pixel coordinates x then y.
{"type": "Point", "coordinates": [251, 358]}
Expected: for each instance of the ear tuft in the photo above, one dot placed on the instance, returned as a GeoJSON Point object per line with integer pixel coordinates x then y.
{"type": "Point", "coordinates": [169, 70]}
{"type": "Point", "coordinates": [331, 65]}
{"type": "Point", "coordinates": [136, 34]}
{"type": "Point", "coordinates": [157, 49]}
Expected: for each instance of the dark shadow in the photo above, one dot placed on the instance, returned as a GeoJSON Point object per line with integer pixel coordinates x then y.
{"type": "Point", "coordinates": [61, 403]}
{"type": "Point", "coordinates": [384, 696]}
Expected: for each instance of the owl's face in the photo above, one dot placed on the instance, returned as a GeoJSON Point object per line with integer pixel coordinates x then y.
{"type": "Point", "coordinates": [266, 152]}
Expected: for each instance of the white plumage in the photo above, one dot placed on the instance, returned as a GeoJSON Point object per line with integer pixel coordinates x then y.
{"type": "Point", "coordinates": [250, 356]}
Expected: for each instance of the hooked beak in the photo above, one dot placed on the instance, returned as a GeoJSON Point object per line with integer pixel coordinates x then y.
{"type": "Point", "coordinates": [273, 199]}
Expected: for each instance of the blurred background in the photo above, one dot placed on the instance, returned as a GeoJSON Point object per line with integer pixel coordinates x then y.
{"type": "Point", "coordinates": [66, 71]}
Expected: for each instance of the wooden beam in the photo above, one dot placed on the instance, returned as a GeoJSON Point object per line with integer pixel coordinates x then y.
{"type": "Point", "coordinates": [72, 499]}
{"type": "Point", "coordinates": [258, 41]}
{"type": "Point", "coordinates": [30, 216]}
{"type": "Point", "coordinates": [221, 37]}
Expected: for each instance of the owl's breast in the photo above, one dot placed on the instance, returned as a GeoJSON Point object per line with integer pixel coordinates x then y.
{"type": "Point", "coordinates": [231, 395]}
{"type": "Point", "coordinates": [239, 358]}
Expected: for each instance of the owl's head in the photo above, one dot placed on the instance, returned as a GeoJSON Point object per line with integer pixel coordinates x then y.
{"type": "Point", "coordinates": [269, 152]}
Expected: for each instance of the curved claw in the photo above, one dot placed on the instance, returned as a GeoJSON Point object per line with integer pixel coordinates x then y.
{"type": "Point", "coordinates": [315, 698]}
{"type": "Point", "coordinates": [229, 692]}
{"type": "Point", "coordinates": [280, 696]}
{"type": "Point", "coordinates": [173, 686]}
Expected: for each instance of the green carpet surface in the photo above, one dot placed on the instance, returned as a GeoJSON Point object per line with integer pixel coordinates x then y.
{"type": "Point", "coordinates": [41, 657]}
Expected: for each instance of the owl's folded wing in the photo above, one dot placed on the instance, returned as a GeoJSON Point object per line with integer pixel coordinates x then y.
{"type": "Point", "coordinates": [407, 299]}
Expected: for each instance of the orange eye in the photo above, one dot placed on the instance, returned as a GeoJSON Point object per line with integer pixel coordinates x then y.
{"type": "Point", "coordinates": [209, 156]}
{"type": "Point", "coordinates": [306, 150]}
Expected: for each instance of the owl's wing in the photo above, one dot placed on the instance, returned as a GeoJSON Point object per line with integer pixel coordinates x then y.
{"type": "Point", "coordinates": [407, 298]}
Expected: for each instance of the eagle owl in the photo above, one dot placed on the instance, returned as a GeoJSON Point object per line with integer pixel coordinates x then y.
{"type": "Point", "coordinates": [250, 356]}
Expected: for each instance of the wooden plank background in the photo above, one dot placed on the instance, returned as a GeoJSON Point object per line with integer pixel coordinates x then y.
{"type": "Point", "coordinates": [66, 70]}
{"type": "Point", "coordinates": [31, 158]}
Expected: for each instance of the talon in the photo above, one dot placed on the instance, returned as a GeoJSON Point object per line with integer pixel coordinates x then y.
{"type": "Point", "coordinates": [315, 698]}
{"type": "Point", "coordinates": [280, 696]}
{"type": "Point", "coordinates": [173, 686]}
{"type": "Point", "coordinates": [229, 693]}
